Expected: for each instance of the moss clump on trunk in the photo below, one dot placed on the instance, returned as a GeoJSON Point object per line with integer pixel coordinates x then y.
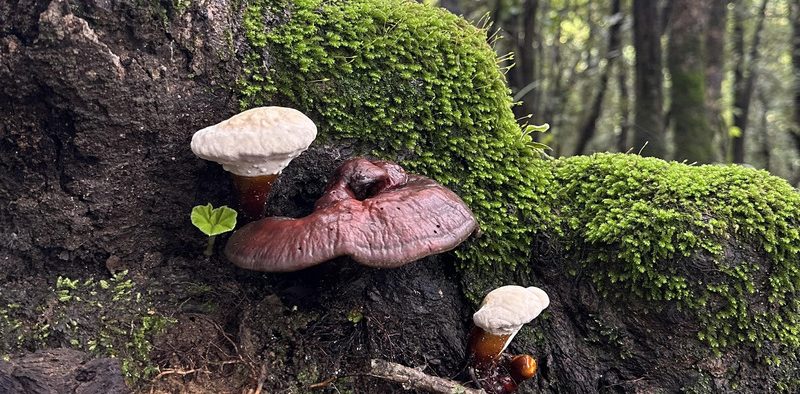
{"type": "Point", "coordinates": [419, 84]}
{"type": "Point", "coordinates": [662, 231]}
{"type": "Point", "coordinates": [422, 85]}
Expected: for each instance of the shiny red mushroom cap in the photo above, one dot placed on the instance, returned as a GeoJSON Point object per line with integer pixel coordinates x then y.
{"type": "Point", "coordinates": [371, 211]}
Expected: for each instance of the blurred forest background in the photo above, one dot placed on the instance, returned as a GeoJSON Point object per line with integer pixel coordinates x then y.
{"type": "Point", "coordinates": [709, 81]}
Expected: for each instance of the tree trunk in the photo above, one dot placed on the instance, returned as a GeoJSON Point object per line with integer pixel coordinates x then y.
{"type": "Point", "coordinates": [744, 83]}
{"type": "Point", "coordinates": [554, 98]}
{"type": "Point", "coordinates": [766, 155]}
{"type": "Point", "coordinates": [624, 107]}
{"type": "Point", "coordinates": [686, 63]}
{"type": "Point", "coordinates": [649, 116]}
{"type": "Point", "coordinates": [589, 126]}
{"type": "Point", "coordinates": [795, 15]}
{"type": "Point", "coordinates": [99, 101]}
{"type": "Point", "coordinates": [715, 67]}
{"type": "Point", "coordinates": [526, 60]}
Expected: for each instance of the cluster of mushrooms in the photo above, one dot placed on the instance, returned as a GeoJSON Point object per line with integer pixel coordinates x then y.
{"type": "Point", "coordinates": [371, 211]}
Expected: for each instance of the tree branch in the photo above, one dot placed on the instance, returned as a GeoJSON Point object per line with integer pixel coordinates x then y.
{"type": "Point", "coordinates": [408, 376]}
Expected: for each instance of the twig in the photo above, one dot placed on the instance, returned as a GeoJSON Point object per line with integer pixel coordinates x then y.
{"type": "Point", "coordinates": [261, 378]}
{"type": "Point", "coordinates": [408, 376]}
{"type": "Point", "coordinates": [180, 372]}
{"type": "Point", "coordinates": [321, 385]}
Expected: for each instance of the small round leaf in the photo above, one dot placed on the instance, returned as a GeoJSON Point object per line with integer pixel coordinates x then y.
{"type": "Point", "coordinates": [213, 221]}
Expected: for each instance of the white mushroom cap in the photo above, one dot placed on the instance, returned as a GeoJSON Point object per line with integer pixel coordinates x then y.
{"type": "Point", "coordinates": [259, 141]}
{"type": "Point", "coordinates": [505, 309]}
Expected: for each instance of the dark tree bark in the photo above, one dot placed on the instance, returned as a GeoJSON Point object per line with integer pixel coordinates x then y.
{"type": "Point", "coordinates": [61, 371]}
{"type": "Point", "coordinates": [649, 116]}
{"type": "Point", "coordinates": [686, 63]}
{"type": "Point", "coordinates": [745, 77]}
{"type": "Point", "coordinates": [715, 66]}
{"type": "Point", "coordinates": [589, 126]}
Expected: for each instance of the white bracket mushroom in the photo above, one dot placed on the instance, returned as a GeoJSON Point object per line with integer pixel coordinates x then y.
{"type": "Point", "coordinates": [501, 315]}
{"type": "Point", "coordinates": [255, 146]}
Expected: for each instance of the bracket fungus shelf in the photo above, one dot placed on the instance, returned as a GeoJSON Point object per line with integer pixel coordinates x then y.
{"type": "Point", "coordinates": [372, 211]}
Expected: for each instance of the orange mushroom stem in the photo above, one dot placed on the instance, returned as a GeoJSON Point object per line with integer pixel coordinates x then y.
{"type": "Point", "coordinates": [253, 192]}
{"type": "Point", "coordinates": [485, 348]}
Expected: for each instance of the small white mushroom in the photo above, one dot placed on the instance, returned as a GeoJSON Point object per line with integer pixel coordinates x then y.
{"type": "Point", "coordinates": [503, 312]}
{"type": "Point", "coordinates": [255, 146]}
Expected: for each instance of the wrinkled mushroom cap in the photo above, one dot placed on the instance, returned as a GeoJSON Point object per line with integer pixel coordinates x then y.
{"type": "Point", "coordinates": [371, 211]}
{"type": "Point", "coordinates": [505, 309]}
{"type": "Point", "coordinates": [256, 142]}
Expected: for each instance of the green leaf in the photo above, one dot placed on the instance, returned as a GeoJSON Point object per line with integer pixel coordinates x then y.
{"type": "Point", "coordinates": [212, 221]}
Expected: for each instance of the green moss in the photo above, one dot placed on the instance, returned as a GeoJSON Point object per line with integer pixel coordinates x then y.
{"type": "Point", "coordinates": [180, 6]}
{"type": "Point", "coordinates": [419, 84]}
{"type": "Point", "coordinates": [108, 317]}
{"type": "Point", "coordinates": [663, 232]}
{"type": "Point", "coordinates": [422, 86]}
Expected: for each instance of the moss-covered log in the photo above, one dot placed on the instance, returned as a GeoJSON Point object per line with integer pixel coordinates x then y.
{"type": "Point", "coordinates": [663, 276]}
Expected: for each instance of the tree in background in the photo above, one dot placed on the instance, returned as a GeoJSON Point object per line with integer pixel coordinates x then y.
{"type": "Point", "coordinates": [563, 75]}
{"type": "Point", "coordinates": [686, 60]}
{"type": "Point", "coordinates": [744, 75]}
{"type": "Point", "coordinates": [589, 126]}
{"type": "Point", "coordinates": [624, 107]}
{"type": "Point", "coordinates": [648, 108]}
{"type": "Point", "coordinates": [526, 57]}
{"type": "Point", "coordinates": [715, 70]}
{"type": "Point", "coordinates": [795, 18]}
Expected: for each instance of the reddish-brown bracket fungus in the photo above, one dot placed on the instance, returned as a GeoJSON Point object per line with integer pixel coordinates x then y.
{"type": "Point", "coordinates": [255, 146]}
{"type": "Point", "coordinates": [371, 211]}
{"type": "Point", "coordinates": [501, 315]}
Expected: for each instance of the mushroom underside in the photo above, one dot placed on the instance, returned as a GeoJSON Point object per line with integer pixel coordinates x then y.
{"type": "Point", "coordinates": [370, 211]}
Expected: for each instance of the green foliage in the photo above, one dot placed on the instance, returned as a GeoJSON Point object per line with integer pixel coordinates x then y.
{"type": "Point", "coordinates": [109, 317]}
{"type": "Point", "coordinates": [213, 221]}
{"type": "Point", "coordinates": [420, 84]}
{"type": "Point", "coordinates": [356, 315]}
{"type": "Point", "coordinates": [632, 216]}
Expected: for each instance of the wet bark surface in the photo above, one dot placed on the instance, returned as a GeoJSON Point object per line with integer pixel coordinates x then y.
{"type": "Point", "coordinates": [61, 371]}
{"type": "Point", "coordinates": [99, 101]}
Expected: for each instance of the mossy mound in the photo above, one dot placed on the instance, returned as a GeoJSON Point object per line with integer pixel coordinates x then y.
{"type": "Point", "coordinates": [420, 84]}
{"type": "Point", "coordinates": [424, 87]}
{"type": "Point", "coordinates": [665, 231]}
